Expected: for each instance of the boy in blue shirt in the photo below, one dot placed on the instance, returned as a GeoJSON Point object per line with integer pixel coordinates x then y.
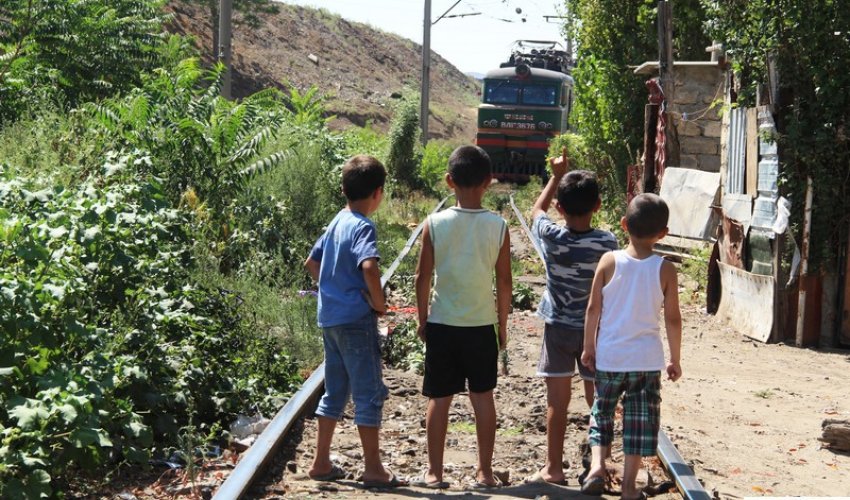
{"type": "Point", "coordinates": [571, 253]}
{"type": "Point", "coordinates": [344, 262]}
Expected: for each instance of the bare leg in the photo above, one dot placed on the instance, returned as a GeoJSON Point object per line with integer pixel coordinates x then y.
{"type": "Point", "coordinates": [374, 469]}
{"type": "Point", "coordinates": [558, 393]}
{"type": "Point", "coordinates": [436, 426]}
{"type": "Point", "coordinates": [631, 466]}
{"type": "Point", "coordinates": [589, 392]}
{"type": "Point", "coordinates": [322, 462]}
{"type": "Point", "coordinates": [597, 461]}
{"type": "Point", "coordinates": [485, 429]}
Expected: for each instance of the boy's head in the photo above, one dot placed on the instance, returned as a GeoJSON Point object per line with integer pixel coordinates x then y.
{"type": "Point", "coordinates": [361, 176]}
{"type": "Point", "coordinates": [578, 193]}
{"type": "Point", "coordinates": [647, 216]}
{"type": "Point", "coordinates": [469, 166]}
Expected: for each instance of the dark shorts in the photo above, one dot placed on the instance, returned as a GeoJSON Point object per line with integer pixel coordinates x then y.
{"type": "Point", "coordinates": [457, 354]}
{"type": "Point", "coordinates": [561, 353]}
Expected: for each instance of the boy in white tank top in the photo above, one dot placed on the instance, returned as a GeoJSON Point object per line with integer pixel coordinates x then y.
{"type": "Point", "coordinates": [622, 343]}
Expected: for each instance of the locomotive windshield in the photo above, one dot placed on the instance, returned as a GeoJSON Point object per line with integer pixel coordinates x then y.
{"type": "Point", "coordinates": [538, 95]}
{"type": "Point", "coordinates": [502, 93]}
{"type": "Point", "coordinates": [512, 93]}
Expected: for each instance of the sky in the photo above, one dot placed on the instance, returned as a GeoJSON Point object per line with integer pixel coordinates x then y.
{"type": "Point", "coordinates": [474, 43]}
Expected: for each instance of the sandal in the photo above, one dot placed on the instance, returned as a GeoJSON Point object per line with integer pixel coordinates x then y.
{"type": "Point", "coordinates": [594, 486]}
{"type": "Point", "coordinates": [335, 473]}
{"type": "Point", "coordinates": [394, 482]}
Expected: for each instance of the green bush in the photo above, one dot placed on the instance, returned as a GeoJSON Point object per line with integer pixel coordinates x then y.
{"type": "Point", "coordinates": [108, 342]}
{"type": "Point", "coordinates": [434, 164]}
{"type": "Point", "coordinates": [403, 156]}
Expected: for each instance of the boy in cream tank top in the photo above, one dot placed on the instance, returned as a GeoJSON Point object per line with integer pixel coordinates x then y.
{"type": "Point", "coordinates": [623, 344]}
{"type": "Point", "coordinates": [461, 247]}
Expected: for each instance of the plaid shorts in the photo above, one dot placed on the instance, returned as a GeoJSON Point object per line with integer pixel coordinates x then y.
{"type": "Point", "coordinates": [641, 393]}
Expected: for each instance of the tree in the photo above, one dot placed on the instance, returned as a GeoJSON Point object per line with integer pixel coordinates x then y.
{"type": "Point", "coordinates": [85, 50]}
{"type": "Point", "coordinates": [611, 35]}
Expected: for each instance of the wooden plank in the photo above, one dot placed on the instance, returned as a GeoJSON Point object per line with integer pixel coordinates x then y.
{"type": "Point", "coordinates": [747, 302]}
{"type": "Point", "coordinates": [752, 153]}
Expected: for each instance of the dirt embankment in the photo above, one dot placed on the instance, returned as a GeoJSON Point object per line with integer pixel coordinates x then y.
{"type": "Point", "coordinates": [362, 70]}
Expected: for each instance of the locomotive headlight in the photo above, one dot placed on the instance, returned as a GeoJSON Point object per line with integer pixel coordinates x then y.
{"type": "Point", "coordinates": [544, 125]}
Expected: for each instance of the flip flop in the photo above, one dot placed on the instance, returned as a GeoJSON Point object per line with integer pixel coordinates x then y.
{"type": "Point", "coordinates": [537, 478]}
{"type": "Point", "coordinates": [479, 486]}
{"type": "Point", "coordinates": [335, 473]}
{"type": "Point", "coordinates": [593, 486]}
{"type": "Point", "coordinates": [641, 496]}
{"type": "Point", "coordinates": [421, 482]}
{"type": "Point", "coordinates": [394, 482]}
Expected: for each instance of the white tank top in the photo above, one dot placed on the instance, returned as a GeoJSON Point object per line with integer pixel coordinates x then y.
{"type": "Point", "coordinates": [466, 246]}
{"type": "Point", "coordinates": [629, 338]}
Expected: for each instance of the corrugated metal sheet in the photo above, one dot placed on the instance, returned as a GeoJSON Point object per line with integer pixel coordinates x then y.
{"type": "Point", "coordinates": [737, 147]}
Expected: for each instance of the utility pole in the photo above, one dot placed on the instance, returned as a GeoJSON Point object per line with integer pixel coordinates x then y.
{"type": "Point", "coordinates": [426, 72]}
{"type": "Point", "coordinates": [224, 35]}
{"type": "Point", "coordinates": [426, 64]}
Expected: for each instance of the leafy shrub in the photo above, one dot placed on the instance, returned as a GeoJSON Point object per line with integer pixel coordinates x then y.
{"type": "Point", "coordinates": [403, 156]}
{"type": "Point", "coordinates": [523, 296]}
{"type": "Point", "coordinates": [403, 349]}
{"type": "Point", "coordinates": [108, 342]}
{"type": "Point", "coordinates": [432, 169]}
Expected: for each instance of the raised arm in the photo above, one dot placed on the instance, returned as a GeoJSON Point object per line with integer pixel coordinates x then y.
{"type": "Point", "coordinates": [603, 274]}
{"type": "Point", "coordinates": [504, 288]}
{"type": "Point", "coordinates": [672, 318]}
{"type": "Point", "coordinates": [422, 281]}
{"type": "Point", "coordinates": [560, 166]}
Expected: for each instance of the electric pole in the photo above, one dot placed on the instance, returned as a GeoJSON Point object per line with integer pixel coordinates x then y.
{"type": "Point", "coordinates": [426, 72]}
{"type": "Point", "coordinates": [224, 35]}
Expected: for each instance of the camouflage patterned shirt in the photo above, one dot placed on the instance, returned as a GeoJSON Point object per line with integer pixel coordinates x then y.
{"type": "Point", "coordinates": [571, 260]}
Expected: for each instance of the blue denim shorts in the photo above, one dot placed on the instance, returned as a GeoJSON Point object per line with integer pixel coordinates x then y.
{"type": "Point", "coordinates": [353, 368]}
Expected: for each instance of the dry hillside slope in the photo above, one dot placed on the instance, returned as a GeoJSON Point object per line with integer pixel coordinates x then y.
{"type": "Point", "coordinates": [361, 69]}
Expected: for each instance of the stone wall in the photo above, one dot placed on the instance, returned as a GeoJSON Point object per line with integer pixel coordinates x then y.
{"type": "Point", "coordinates": [697, 123]}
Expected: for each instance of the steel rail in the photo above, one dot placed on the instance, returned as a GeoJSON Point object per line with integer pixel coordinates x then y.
{"type": "Point", "coordinates": [687, 483]}
{"type": "Point", "coordinates": [257, 457]}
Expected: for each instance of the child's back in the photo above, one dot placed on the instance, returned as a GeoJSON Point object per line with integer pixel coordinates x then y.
{"type": "Point", "coordinates": [466, 245]}
{"type": "Point", "coordinates": [463, 246]}
{"type": "Point", "coordinates": [629, 337]}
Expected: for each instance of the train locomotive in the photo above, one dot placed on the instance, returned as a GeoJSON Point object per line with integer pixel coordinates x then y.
{"type": "Point", "coordinates": [524, 104]}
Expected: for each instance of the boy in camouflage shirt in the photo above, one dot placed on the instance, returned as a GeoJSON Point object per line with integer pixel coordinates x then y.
{"type": "Point", "coordinates": [571, 253]}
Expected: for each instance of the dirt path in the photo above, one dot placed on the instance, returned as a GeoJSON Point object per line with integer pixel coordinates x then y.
{"type": "Point", "coordinates": [746, 416]}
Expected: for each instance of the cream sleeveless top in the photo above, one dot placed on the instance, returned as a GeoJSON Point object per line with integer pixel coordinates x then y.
{"type": "Point", "coordinates": [466, 246]}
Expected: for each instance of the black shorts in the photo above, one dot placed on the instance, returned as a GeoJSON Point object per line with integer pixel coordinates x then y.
{"type": "Point", "coordinates": [457, 354]}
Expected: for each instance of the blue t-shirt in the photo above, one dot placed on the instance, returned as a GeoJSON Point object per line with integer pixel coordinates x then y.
{"type": "Point", "coordinates": [349, 240]}
{"type": "Point", "coordinates": [571, 260]}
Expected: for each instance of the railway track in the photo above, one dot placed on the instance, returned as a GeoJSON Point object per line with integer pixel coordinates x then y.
{"type": "Point", "coordinates": [254, 461]}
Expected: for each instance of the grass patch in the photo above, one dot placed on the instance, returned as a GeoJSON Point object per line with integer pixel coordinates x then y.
{"type": "Point", "coordinates": [511, 431]}
{"type": "Point", "coordinates": [764, 394]}
{"type": "Point", "coordinates": [462, 427]}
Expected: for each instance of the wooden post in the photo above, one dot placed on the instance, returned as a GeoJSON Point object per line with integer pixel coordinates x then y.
{"type": "Point", "coordinates": [667, 77]}
{"type": "Point", "coordinates": [804, 264]}
{"type": "Point", "coordinates": [224, 23]}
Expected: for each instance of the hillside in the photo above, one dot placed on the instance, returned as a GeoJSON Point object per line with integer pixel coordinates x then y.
{"type": "Point", "coordinates": [361, 69]}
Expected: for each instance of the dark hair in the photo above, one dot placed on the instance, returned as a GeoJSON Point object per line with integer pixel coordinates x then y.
{"type": "Point", "coordinates": [647, 215]}
{"type": "Point", "coordinates": [578, 192]}
{"type": "Point", "coordinates": [469, 166]}
{"type": "Point", "coordinates": [361, 176]}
